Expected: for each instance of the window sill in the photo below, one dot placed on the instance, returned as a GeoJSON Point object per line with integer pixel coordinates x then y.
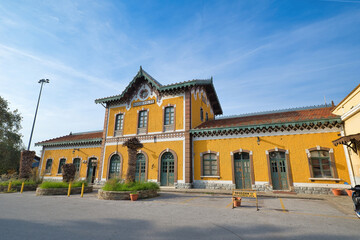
{"type": "Point", "coordinates": [210, 177]}
{"type": "Point", "coordinates": [58, 174]}
{"type": "Point", "coordinates": [325, 179]}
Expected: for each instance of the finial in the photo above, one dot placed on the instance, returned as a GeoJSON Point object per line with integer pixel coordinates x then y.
{"type": "Point", "coordinates": [140, 68]}
{"type": "Point", "coordinates": [211, 78]}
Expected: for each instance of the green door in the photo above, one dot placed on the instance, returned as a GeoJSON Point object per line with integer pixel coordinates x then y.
{"type": "Point", "coordinates": [242, 171]}
{"type": "Point", "coordinates": [91, 172]}
{"type": "Point", "coordinates": [167, 169]}
{"type": "Point", "coordinates": [114, 170]}
{"type": "Point", "coordinates": [278, 170]}
{"type": "Point", "coordinates": [140, 168]}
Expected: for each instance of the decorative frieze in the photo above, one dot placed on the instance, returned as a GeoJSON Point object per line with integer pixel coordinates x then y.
{"type": "Point", "coordinates": [147, 137]}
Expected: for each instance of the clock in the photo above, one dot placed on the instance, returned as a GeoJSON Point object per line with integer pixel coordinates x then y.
{"type": "Point", "coordinates": [144, 93]}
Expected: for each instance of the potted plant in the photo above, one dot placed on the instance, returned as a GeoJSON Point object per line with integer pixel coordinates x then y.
{"type": "Point", "coordinates": [237, 201]}
{"type": "Point", "coordinates": [336, 191]}
{"type": "Point", "coordinates": [134, 196]}
{"type": "Point", "coordinates": [349, 192]}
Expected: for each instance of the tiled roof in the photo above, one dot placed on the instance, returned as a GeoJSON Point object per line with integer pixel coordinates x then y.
{"type": "Point", "coordinates": [87, 137]}
{"type": "Point", "coordinates": [302, 115]}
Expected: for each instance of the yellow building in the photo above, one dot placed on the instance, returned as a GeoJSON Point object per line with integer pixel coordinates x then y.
{"type": "Point", "coordinates": [349, 110]}
{"type": "Point", "coordinates": [186, 146]}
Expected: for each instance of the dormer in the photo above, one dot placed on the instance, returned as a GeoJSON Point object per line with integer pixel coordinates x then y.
{"type": "Point", "coordinates": [146, 106]}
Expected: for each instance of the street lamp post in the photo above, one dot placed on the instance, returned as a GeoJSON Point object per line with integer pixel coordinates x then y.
{"type": "Point", "coordinates": [42, 81]}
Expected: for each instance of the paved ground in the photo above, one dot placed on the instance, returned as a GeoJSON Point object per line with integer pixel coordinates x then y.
{"type": "Point", "coordinates": [174, 216]}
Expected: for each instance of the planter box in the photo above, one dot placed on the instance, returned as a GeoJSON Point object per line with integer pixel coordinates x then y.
{"type": "Point", "coordinates": [62, 191]}
{"type": "Point", "coordinates": [18, 188]}
{"type": "Point", "coordinates": [125, 195]}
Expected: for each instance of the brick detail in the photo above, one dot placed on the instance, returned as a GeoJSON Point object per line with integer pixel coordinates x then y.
{"type": "Point", "coordinates": [188, 150]}
{"type": "Point", "coordinates": [103, 144]}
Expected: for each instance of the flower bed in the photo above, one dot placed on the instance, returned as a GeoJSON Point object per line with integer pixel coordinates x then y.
{"type": "Point", "coordinates": [61, 191]}
{"type": "Point", "coordinates": [61, 188]}
{"type": "Point", "coordinates": [125, 195]}
{"type": "Point", "coordinates": [16, 185]}
{"type": "Point", "coordinates": [114, 189]}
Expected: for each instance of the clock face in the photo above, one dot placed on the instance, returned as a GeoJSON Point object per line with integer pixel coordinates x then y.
{"type": "Point", "coordinates": [144, 93]}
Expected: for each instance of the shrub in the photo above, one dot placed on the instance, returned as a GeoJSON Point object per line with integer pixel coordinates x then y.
{"type": "Point", "coordinates": [46, 185]}
{"type": "Point", "coordinates": [17, 182]}
{"type": "Point", "coordinates": [117, 185]}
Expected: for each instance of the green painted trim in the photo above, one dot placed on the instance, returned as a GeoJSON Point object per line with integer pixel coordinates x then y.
{"type": "Point", "coordinates": [286, 124]}
{"type": "Point", "coordinates": [160, 88]}
{"type": "Point", "coordinates": [141, 73]}
{"type": "Point", "coordinates": [93, 140]}
{"type": "Point", "coordinates": [186, 84]}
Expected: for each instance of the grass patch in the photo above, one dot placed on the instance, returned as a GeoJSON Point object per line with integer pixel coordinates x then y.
{"type": "Point", "coordinates": [46, 185]}
{"type": "Point", "coordinates": [17, 182]}
{"type": "Point", "coordinates": [116, 185]}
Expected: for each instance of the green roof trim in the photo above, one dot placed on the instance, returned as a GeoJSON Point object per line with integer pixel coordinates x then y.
{"type": "Point", "coordinates": [162, 88]}
{"type": "Point", "coordinates": [82, 141]}
{"type": "Point", "coordinates": [141, 73]}
{"type": "Point", "coordinates": [286, 124]}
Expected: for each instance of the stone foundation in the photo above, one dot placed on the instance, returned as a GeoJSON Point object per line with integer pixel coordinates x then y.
{"type": "Point", "coordinates": [183, 185]}
{"type": "Point", "coordinates": [262, 188]}
{"type": "Point", "coordinates": [125, 195]}
{"type": "Point", "coordinates": [313, 190]}
{"type": "Point", "coordinates": [62, 191]}
{"type": "Point", "coordinates": [214, 185]}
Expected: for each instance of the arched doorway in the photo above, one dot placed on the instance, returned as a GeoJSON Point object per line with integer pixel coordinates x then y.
{"type": "Point", "coordinates": [114, 168]}
{"type": "Point", "coordinates": [278, 170]}
{"type": "Point", "coordinates": [167, 169]}
{"type": "Point", "coordinates": [91, 171]}
{"type": "Point", "coordinates": [140, 174]}
{"type": "Point", "coordinates": [242, 170]}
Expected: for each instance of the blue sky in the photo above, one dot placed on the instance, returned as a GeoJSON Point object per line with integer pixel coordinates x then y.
{"type": "Point", "coordinates": [262, 54]}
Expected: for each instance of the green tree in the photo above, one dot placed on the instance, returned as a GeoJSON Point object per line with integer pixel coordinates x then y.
{"type": "Point", "coordinates": [10, 138]}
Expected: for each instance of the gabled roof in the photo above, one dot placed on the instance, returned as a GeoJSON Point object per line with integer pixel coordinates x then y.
{"type": "Point", "coordinates": [297, 117]}
{"type": "Point", "coordinates": [94, 137]}
{"type": "Point", "coordinates": [142, 74]}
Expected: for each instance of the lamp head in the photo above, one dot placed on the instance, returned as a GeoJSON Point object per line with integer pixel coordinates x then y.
{"type": "Point", "coordinates": [44, 81]}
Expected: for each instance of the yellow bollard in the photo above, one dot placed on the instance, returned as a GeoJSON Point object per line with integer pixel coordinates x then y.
{"type": "Point", "coordinates": [9, 187]}
{"type": "Point", "coordinates": [82, 189]}
{"type": "Point", "coordinates": [22, 187]}
{"type": "Point", "coordinates": [69, 190]}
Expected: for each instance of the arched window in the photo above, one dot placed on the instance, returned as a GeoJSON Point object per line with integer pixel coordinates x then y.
{"type": "Point", "coordinates": [169, 116]}
{"type": "Point", "coordinates": [201, 114]}
{"type": "Point", "coordinates": [206, 116]}
{"type": "Point", "coordinates": [76, 163]}
{"type": "Point", "coordinates": [142, 119]}
{"type": "Point", "coordinates": [48, 166]}
{"type": "Point", "coordinates": [320, 164]}
{"type": "Point", "coordinates": [210, 164]}
{"type": "Point", "coordinates": [61, 163]}
{"type": "Point", "coordinates": [114, 170]}
{"type": "Point", "coordinates": [119, 121]}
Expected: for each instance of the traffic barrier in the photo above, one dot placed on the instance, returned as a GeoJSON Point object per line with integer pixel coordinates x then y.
{"type": "Point", "coordinates": [246, 194]}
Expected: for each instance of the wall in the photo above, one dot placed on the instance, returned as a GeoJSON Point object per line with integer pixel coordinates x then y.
{"type": "Point", "coordinates": [155, 115]}
{"type": "Point", "coordinates": [55, 153]}
{"type": "Point", "coordinates": [152, 150]}
{"type": "Point", "coordinates": [295, 144]}
{"type": "Point", "coordinates": [197, 102]}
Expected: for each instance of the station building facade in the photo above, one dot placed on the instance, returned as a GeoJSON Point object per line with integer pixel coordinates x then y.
{"type": "Point", "coordinates": [186, 146]}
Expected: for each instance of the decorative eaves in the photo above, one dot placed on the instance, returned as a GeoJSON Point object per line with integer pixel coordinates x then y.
{"type": "Point", "coordinates": [95, 141]}
{"type": "Point", "coordinates": [270, 127]}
